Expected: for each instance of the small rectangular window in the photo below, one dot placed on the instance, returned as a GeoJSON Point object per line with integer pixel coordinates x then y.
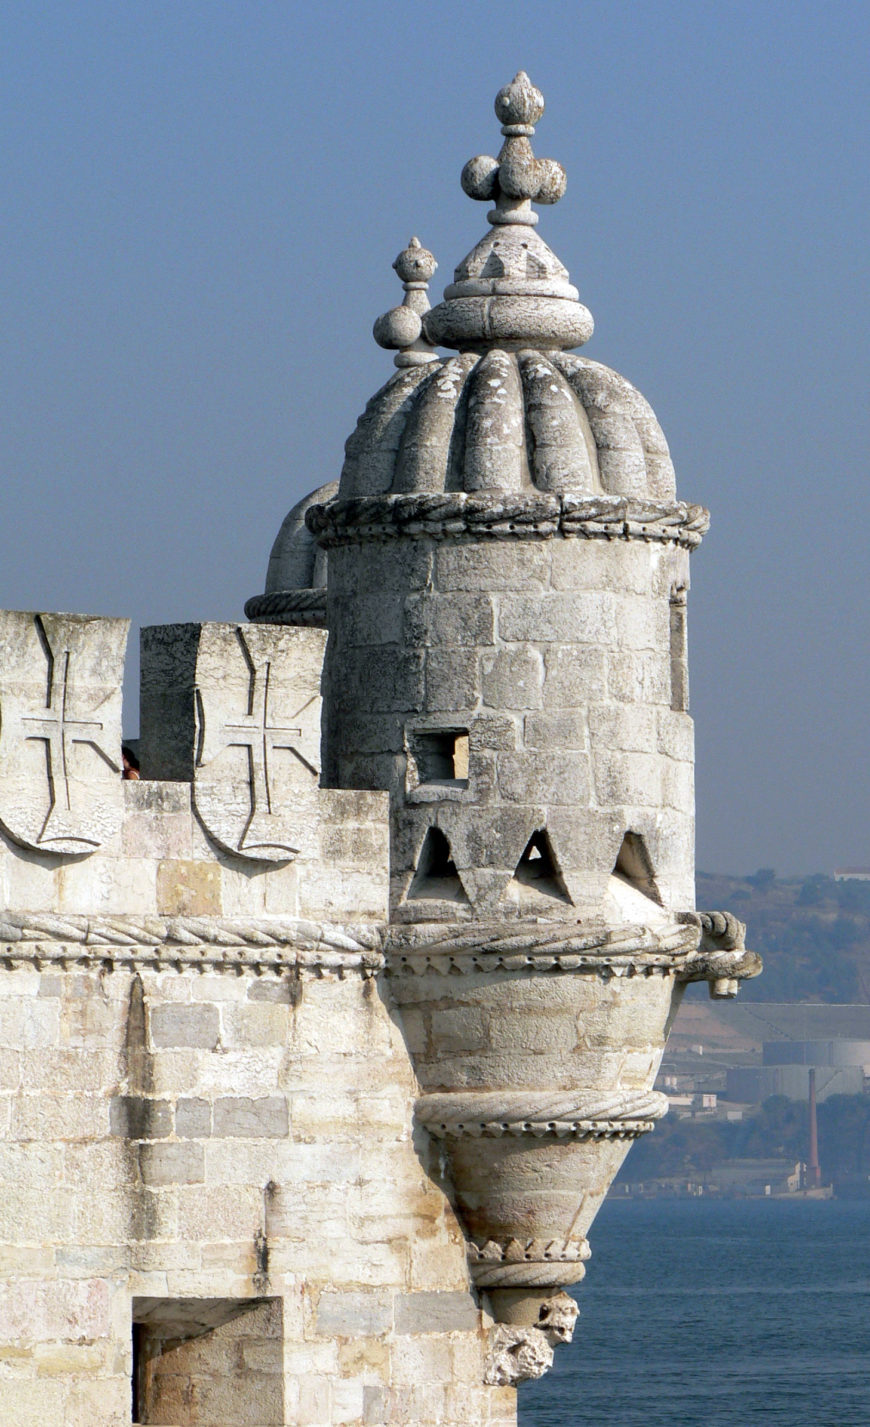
{"type": "Point", "coordinates": [441, 756]}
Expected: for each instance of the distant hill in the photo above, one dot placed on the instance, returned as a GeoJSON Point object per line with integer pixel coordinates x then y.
{"type": "Point", "coordinates": [813, 933]}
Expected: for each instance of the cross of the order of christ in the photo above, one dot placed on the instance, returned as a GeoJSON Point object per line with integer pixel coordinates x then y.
{"type": "Point", "coordinates": [262, 735]}
{"type": "Point", "coordinates": [59, 730]}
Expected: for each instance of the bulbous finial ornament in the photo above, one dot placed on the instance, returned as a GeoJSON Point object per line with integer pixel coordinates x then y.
{"type": "Point", "coordinates": [520, 103]}
{"type": "Point", "coordinates": [516, 179]}
{"type": "Point", "coordinates": [511, 292]}
{"type": "Point", "coordinates": [401, 328]}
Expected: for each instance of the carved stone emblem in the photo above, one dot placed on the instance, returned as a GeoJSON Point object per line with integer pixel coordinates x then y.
{"type": "Point", "coordinates": [60, 729]}
{"type": "Point", "coordinates": [258, 736]}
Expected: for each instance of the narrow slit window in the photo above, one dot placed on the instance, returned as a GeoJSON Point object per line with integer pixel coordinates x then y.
{"type": "Point", "coordinates": [679, 650]}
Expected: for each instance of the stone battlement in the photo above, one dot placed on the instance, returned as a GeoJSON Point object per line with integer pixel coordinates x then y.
{"type": "Point", "coordinates": [228, 819]}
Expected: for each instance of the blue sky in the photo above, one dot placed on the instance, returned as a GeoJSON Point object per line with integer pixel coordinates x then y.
{"type": "Point", "coordinates": [201, 203]}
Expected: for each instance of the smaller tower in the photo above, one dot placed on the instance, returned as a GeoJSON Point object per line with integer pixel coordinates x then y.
{"type": "Point", "coordinates": [508, 567]}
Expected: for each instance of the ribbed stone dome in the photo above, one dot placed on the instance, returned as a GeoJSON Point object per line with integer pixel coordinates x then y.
{"type": "Point", "coordinates": [296, 576]}
{"type": "Point", "coordinates": [509, 421]}
{"type": "Point", "coordinates": [516, 411]}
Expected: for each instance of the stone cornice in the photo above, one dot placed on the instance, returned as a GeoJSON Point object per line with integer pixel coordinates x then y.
{"type": "Point", "coordinates": [499, 516]}
{"type": "Point", "coordinates": [282, 945]}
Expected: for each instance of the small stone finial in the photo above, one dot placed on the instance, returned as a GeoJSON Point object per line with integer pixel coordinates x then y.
{"type": "Point", "coordinates": [401, 328]}
{"type": "Point", "coordinates": [516, 178]}
{"type": "Point", "coordinates": [511, 291]}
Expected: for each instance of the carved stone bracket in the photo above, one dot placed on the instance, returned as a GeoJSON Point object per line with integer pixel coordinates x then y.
{"type": "Point", "coordinates": [519, 1352]}
{"type": "Point", "coordinates": [585, 1116]}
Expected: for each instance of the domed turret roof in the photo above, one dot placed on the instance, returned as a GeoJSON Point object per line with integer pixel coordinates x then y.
{"type": "Point", "coordinates": [512, 422]}
{"type": "Point", "coordinates": [514, 411]}
{"type": "Point", "coordinates": [296, 577]}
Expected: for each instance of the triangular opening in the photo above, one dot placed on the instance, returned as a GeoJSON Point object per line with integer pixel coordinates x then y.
{"type": "Point", "coordinates": [634, 866]}
{"type": "Point", "coordinates": [537, 873]}
{"type": "Point", "coordinates": [436, 875]}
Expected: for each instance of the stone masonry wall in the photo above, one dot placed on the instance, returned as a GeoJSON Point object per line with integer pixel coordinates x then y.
{"type": "Point", "coordinates": [560, 660]}
{"type": "Point", "coordinates": [215, 1209]}
{"type": "Point", "coordinates": [170, 1138]}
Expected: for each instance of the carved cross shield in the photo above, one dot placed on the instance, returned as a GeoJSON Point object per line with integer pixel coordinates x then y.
{"type": "Point", "coordinates": [60, 729]}
{"type": "Point", "coordinates": [257, 763]}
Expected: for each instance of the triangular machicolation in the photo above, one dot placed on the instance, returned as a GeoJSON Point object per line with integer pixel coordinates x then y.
{"type": "Point", "coordinates": [537, 873]}
{"type": "Point", "coordinates": [436, 875]}
{"type": "Point", "coordinates": [634, 866]}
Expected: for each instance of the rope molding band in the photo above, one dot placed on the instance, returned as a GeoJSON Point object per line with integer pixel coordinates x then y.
{"type": "Point", "coordinates": [545, 1129]}
{"type": "Point", "coordinates": [457, 514]}
{"type": "Point", "coordinates": [282, 945]}
{"type": "Point", "coordinates": [515, 1107]}
{"type": "Point", "coordinates": [303, 606]}
{"type": "Point", "coordinates": [543, 1273]}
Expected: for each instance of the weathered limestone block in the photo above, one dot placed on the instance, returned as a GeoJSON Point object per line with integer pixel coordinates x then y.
{"type": "Point", "coordinates": [240, 1183]}
{"type": "Point", "coordinates": [60, 730]}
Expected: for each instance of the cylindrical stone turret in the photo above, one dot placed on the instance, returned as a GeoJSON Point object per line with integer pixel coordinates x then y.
{"type": "Point", "coordinates": [508, 567]}
{"type": "Point", "coordinates": [507, 577]}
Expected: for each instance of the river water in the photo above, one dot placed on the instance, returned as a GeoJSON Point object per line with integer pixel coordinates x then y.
{"type": "Point", "coordinates": [705, 1313]}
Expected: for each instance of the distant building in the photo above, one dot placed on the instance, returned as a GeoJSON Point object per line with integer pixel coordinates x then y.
{"type": "Point", "coordinates": [852, 874]}
{"type": "Point", "coordinates": [752, 1084]}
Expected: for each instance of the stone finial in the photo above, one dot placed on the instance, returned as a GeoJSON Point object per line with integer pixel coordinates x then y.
{"type": "Point", "coordinates": [401, 328]}
{"type": "Point", "coordinates": [511, 291]}
{"type": "Point", "coordinates": [516, 178]}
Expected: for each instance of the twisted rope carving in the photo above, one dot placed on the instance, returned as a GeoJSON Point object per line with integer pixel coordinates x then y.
{"type": "Point", "coordinates": [199, 943]}
{"type": "Point", "coordinates": [721, 931]}
{"type": "Point", "coordinates": [722, 957]}
{"type": "Point", "coordinates": [288, 607]}
{"type": "Point", "coordinates": [450, 514]}
{"type": "Point", "coordinates": [228, 943]}
{"type": "Point", "coordinates": [540, 1273]}
{"type": "Point", "coordinates": [188, 931]}
{"type": "Point", "coordinates": [540, 946]}
{"type": "Point", "coordinates": [588, 1114]}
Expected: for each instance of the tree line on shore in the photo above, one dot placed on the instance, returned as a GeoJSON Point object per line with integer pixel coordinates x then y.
{"type": "Point", "coordinates": [813, 933]}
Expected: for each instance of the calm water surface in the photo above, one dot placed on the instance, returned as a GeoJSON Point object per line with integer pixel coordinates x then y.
{"type": "Point", "coordinates": [703, 1314]}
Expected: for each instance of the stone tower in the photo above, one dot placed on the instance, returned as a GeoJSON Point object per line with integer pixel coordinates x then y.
{"type": "Point", "coordinates": [508, 568]}
{"type": "Point", "coordinates": [321, 1043]}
